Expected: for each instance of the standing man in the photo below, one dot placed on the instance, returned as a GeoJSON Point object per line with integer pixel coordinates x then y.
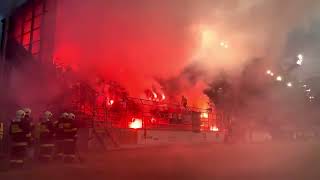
{"type": "Point", "coordinates": [29, 127]}
{"type": "Point", "coordinates": [46, 140]}
{"type": "Point", "coordinates": [19, 140]}
{"type": "Point", "coordinates": [70, 131]}
{"type": "Point", "coordinates": [60, 135]}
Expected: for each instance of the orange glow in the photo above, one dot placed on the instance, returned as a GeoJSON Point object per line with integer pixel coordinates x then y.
{"type": "Point", "coordinates": [204, 115]}
{"type": "Point", "coordinates": [136, 123]}
{"type": "Point", "coordinates": [214, 128]}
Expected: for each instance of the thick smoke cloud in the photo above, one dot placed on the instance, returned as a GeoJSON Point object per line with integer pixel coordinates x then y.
{"type": "Point", "coordinates": [134, 41]}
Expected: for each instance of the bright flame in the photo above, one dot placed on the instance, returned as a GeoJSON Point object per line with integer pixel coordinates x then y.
{"type": "Point", "coordinates": [155, 95]}
{"type": "Point", "coordinates": [214, 128]}
{"type": "Point", "coordinates": [111, 102]}
{"type": "Point", "coordinates": [204, 115]}
{"type": "Point", "coordinates": [279, 78]}
{"type": "Point", "coordinates": [163, 97]}
{"type": "Point", "coordinates": [136, 123]}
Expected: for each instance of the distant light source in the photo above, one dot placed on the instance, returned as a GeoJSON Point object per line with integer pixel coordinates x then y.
{"type": "Point", "coordinates": [311, 97]}
{"type": "Point", "coordinates": [224, 44]}
{"type": "Point", "coordinates": [308, 90]}
{"type": "Point", "coordinates": [300, 59]}
{"type": "Point", "coordinates": [269, 72]}
{"type": "Point", "coordinates": [289, 84]}
{"type": "Point", "coordinates": [304, 86]}
{"type": "Point", "coordinates": [279, 78]}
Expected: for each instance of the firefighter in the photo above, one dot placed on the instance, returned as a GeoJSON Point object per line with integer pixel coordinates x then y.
{"type": "Point", "coordinates": [46, 140]}
{"type": "Point", "coordinates": [60, 135]}
{"type": "Point", "coordinates": [19, 140]}
{"type": "Point", "coordinates": [29, 127]}
{"type": "Point", "coordinates": [70, 136]}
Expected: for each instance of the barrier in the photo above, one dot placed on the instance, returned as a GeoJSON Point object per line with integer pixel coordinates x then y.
{"type": "Point", "coordinates": [177, 137]}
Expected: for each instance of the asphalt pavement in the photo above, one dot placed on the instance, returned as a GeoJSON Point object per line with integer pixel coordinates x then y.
{"type": "Point", "coordinates": [299, 160]}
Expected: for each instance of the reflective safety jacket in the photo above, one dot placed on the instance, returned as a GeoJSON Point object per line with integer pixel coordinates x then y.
{"type": "Point", "coordinates": [70, 129]}
{"type": "Point", "coordinates": [47, 130]}
{"type": "Point", "coordinates": [18, 132]}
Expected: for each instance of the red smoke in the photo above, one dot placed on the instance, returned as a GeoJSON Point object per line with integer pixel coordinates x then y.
{"type": "Point", "coordinates": [128, 42]}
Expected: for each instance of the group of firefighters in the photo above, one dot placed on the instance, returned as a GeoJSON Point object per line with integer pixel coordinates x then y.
{"type": "Point", "coordinates": [56, 138]}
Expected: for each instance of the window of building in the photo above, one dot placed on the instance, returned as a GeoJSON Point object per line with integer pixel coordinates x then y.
{"type": "Point", "coordinates": [27, 26]}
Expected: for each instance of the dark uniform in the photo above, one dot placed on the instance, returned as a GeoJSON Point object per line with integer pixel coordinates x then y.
{"type": "Point", "coordinates": [70, 136]}
{"type": "Point", "coordinates": [59, 137]}
{"type": "Point", "coordinates": [46, 141]}
{"type": "Point", "coordinates": [19, 139]}
{"type": "Point", "coordinates": [29, 128]}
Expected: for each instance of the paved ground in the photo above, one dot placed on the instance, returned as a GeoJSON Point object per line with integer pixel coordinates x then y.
{"type": "Point", "coordinates": [238, 161]}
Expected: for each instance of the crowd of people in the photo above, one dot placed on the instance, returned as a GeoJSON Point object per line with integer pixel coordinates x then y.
{"type": "Point", "coordinates": [48, 140]}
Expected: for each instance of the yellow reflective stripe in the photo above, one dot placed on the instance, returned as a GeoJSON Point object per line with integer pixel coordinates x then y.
{"type": "Point", "coordinates": [70, 130]}
{"type": "Point", "coordinates": [16, 161]}
{"type": "Point", "coordinates": [20, 144]}
{"type": "Point", "coordinates": [45, 156]}
{"type": "Point", "coordinates": [47, 145]}
{"type": "Point", "coordinates": [70, 155]}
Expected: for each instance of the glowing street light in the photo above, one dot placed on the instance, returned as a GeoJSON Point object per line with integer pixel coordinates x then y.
{"type": "Point", "coordinates": [279, 78]}
{"type": "Point", "coordinates": [269, 72]}
{"type": "Point", "coordinates": [300, 59]}
{"type": "Point", "coordinates": [289, 84]}
{"type": "Point", "coordinates": [224, 44]}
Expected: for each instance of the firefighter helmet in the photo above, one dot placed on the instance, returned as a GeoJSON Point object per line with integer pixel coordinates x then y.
{"type": "Point", "coordinates": [47, 115]}
{"type": "Point", "coordinates": [20, 114]}
{"type": "Point", "coordinates": [72, 116]}
{"type": "Point", "coordinates": [27, 111]}
{"type": "Point", "coordinates": [64, 115]}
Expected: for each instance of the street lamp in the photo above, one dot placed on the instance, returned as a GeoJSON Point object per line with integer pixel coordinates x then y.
{"type": "Point", "coordinates": [279, 78]}
{"type": "Point", "coordinates": [300, 59]}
